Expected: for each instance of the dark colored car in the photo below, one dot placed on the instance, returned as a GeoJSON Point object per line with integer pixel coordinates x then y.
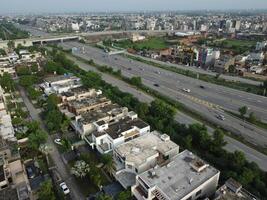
{"type": "Point", "coordinates": [30, 172]}
{"type": "Point", "coordinates": [156, 85]}
{"type": "Point", "coordinates": [201, 86]}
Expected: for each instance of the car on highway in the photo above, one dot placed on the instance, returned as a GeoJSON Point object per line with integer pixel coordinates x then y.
{"type": "Point", "coordinates": [221, 117]}
{"type": "Point", "coordinates": [156, 85]}
{"type": "Point", "coordinates": [186, 90]}
{"type": "Point", "coordinates": [64, 188]}
{"type": "Point", "coordinates": [58, 141]}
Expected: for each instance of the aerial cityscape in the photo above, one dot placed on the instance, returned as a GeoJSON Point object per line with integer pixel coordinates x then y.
{"type": "Point", "coordinates": [133, 100]}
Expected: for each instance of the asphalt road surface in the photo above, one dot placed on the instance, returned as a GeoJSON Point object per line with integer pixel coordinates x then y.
{"type": "Point", "coordinates": [55, 155]}
{"type": "Point", "coordinates": [232, 144]}
{"type": "Point", "coordinates": [207, 102]}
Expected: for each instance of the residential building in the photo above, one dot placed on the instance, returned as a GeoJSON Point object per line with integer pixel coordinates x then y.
{"type": "Point", "coordinates": [84, 123]}
{"type": "Point", "coordinates": [87, 104]}
{"type": "Point", "coordinates": [60, 84]}
{"type": "Point", "coordinates": [78, 94]}
{"type": "Point", "coordinates": [108, 136]}
{"type": "Point", "coordinates": [136, 37]}
{"type": "Point", "coordinates": [13, 179]}
{"type": "Point", "coordinates": [223, 63]}
{"type": "Point", "coordinates": [234, 191]}
{"type": "Point", "coordinates": [6, 127]}
{"type": "Point", "coordinates": [141, 154]}
{"type": "Point", "coordinates": [185, 177]}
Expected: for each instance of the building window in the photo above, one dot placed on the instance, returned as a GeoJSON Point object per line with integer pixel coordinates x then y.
{"type": "Point", "coordinates": [198, 193]}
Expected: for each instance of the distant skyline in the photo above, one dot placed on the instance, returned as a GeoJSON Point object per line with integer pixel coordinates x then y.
{"type": "Point", "coordinates": [59, 6]}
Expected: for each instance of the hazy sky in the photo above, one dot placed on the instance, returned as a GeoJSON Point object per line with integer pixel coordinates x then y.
{"type": "Point", "coordinates": [7, 6]}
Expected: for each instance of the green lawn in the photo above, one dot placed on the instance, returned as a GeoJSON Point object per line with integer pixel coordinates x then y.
{"type": "Point", "coordinates": [153, 43]}
{"type": "Point", "coordinates": [238, 46]}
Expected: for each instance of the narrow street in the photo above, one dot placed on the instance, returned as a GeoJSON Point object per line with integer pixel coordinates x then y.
{"type": "Point", "coordinates": [55, 155]}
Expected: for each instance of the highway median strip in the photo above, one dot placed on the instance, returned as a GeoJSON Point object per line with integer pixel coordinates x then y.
{"type": "Point", "coordinates": [204, 77]}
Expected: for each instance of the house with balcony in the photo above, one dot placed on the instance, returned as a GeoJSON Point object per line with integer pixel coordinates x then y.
{"type": "Point", "coordinates": [109, 135]}
{"type": "Point", "coordinates": [84, 124]}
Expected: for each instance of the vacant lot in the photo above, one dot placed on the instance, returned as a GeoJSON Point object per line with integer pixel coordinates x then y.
{"type": "Point", "coordinates": [153, 43]}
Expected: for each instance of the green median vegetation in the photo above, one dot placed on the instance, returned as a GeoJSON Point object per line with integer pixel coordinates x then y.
{"type": "Point", "coordinates": [194, 137]}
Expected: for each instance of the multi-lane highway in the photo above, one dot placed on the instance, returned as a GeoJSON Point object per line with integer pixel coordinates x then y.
{"type": "Point", "coordinates": [208, 101]}
{"type": "Point", "coordinates": [232, 144]}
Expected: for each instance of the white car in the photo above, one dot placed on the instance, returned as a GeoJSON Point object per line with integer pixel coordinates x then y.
{"type": "Point", "coordinates": [64, 188]}
{"type": "Point", "coordinates": [221, 117]}
{"type": "Point", "coordinates": [58, 141]}
{"type": "Point", "coordinates": [186, 90]}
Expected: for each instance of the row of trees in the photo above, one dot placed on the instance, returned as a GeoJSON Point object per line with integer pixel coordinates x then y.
{"type": "Point", "coordinates": [195, 137]}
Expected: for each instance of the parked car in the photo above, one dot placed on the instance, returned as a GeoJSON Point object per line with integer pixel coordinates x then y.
{"type": "Point", "coordinates": [30, 172]}
{"type": "Point", "coordinates": [64, 188]}
{"type": "Point", "coordinates": [201, 86]}
{"type": "Point", "coordinates": [156, 85]}
{"type": "Point", "coordinates": [58, 141]}
{"type": "Point", "coordinates": [186, 90]}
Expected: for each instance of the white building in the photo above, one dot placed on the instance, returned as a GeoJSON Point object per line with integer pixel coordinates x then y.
{"type": "Point", "coordinates": [60, 84]}
{"type": "Point", "coordinates": [185, 177]}
{"type": "Point", "coordinates": [141, 154]}
{"type": "Point", "coordinates": [108, 136]}
{"type": "Point", "coordinates": [85, 122]}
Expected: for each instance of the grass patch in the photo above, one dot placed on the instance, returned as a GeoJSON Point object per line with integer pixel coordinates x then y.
{"type": "Point", "coordinates": [152, 43]}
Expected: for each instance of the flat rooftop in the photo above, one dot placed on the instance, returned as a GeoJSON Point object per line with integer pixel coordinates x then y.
{"type": "Point", "coordinates": [115, 130]}
{"type": "Point", "coordinates": [179, 177]}
{"type": "Point", "coordinates": [92, 116]}
{"type": "Point", "coordinates": [74, 91]}
{"type": "Point", "coordinates": [88, 102]}
{"type": "Point", "coordinates": [137, 151]}
{"type": "Point", "coordinates": [59, 78]}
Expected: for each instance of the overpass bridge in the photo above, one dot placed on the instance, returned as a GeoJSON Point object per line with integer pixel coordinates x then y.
{"type": "Point", "coordinates": [54, 38]}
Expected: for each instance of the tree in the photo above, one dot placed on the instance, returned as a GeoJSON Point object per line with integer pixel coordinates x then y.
{"type": "Point", "coordinates": [252, 118]}
{"type": "Point", "coordinates": [218, 138]}
{"type": "Point", "coordinates": [37, 138]}
{"type": "Point", "coordinates": [243, 111]}
{"type": "Point", "coordinates": [125, 195]}
{"type": "Point", "coordinates": [142, 110]}
{"type": "Point", "coordinates": [53, 120]}
{"type": "Point", "coordinates": [46, 191]}
{"type": "Point", "coordinates": [103, 197]}
{"type": "Point", "coordinates": [108, 162]}
{"type": "Point", "coordinates": [80, 169]}
{"type": "Point", "coordinates": [11, 44]}
{"type": "Point", "coordinates": [7, 82]}
{"type": "Point", "coordinates": [137, 81]}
